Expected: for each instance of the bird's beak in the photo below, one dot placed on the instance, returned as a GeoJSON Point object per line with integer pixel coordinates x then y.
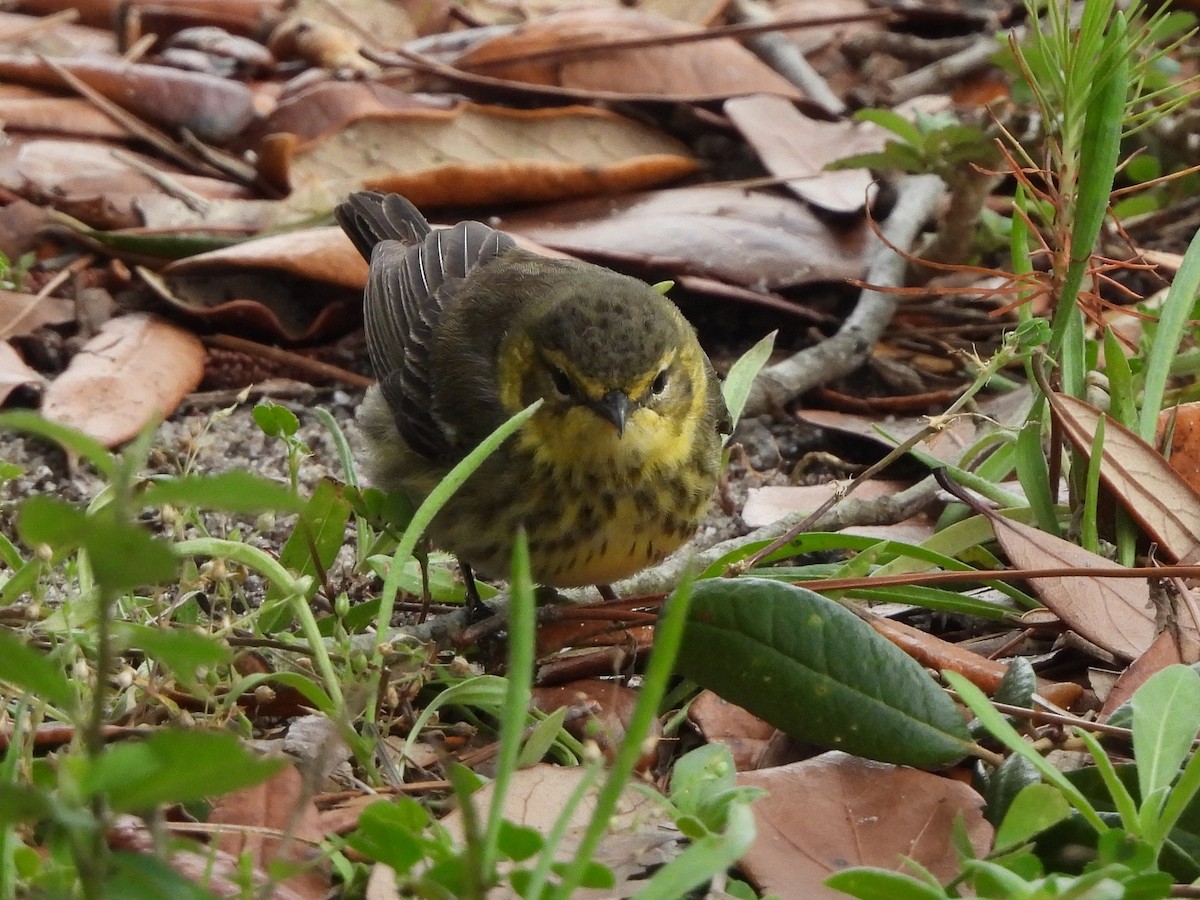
{"type": "Point", "coordinates": [614, 406]}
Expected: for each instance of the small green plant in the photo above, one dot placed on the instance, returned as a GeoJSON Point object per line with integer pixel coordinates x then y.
{"type": "Point", "coordinates": [1133, 821]}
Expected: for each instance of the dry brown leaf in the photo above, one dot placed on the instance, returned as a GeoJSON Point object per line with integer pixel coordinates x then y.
{"type": "Point", "coordinates": [94, 182]}
{"type": "Point", "coordinates": [214, 109]}
{"type": "Point", "coordinates": [38, 111]}
{"type": "Point", "coordinates": [135, 370]}
{"type": "Point", "coordinates": [835, 811]}
{"type": "Point", "coordinates": [474, 154]}
{"type": "Point", "coordinates": [722, 722]}
{"type": "Point", "coordinates": [1142, 481]}
{"type": "Point", "coordinates": [748, 238]}
{"type": "Point", "coordinates": [1184, 421]}
{"type": "Point", "coordinates": [282, 803]}
{"type": "Point", "coordinates": [295, 286]}
{"type": "Point", "coordinates": [29, 27]}
{"type": "Point", "coordinates": [14, 373]}
{"type": "Point", "coordinates": [491, 12]}
{"type": "Point", "coordinates": [713, 69]}
{"type": "Point", "coordinates": [598, 711]}
{"type": "Point", "coordinates": [797, 147]}
{"type": "Point", "coordinates": [935, 653]}
{"type": "Point", "coordinates": [22, 314]}
{"type": "Point", "coordinates": [640, 837]}
{"type": "Point", "coordinates": [1161, 653]}
{"type": "Point", "coordinates": [1113, 613]}
{"type": "Point", "coordinates": [227, 13]}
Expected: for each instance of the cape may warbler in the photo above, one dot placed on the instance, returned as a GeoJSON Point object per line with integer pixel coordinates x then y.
{"type": "Point", "coordinates": [464, 329]}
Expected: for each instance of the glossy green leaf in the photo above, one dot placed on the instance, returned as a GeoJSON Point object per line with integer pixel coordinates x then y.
{"type": "Point", "coordinates": [1166, 717]}
{"type": "Point", "coordinates": [1033, 810]}
{"type": "Point", "coordinates": [816, 671]}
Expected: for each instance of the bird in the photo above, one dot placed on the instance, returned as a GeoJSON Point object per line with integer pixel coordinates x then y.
{"type": "Point", "coordinates": [464, 328]}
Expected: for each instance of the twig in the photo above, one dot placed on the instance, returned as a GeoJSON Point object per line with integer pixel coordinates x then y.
{"type": "Point", "coordinates": [129, 121]}
{"type": "Point", "coordinates": [781, 383]}
{"type": "Point", "coordinates": [784, 56]}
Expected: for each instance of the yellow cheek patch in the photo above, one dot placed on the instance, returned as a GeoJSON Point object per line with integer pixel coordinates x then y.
{"type": "Point", "coordinates": [516, 356]}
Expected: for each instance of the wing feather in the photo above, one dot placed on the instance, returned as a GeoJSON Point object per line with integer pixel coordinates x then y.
{"type": "Point", "coordinates": [412, 280]}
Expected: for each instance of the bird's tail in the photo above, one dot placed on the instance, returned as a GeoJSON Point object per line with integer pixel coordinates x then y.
{"type": "Point", "coordinates": [369, 217]}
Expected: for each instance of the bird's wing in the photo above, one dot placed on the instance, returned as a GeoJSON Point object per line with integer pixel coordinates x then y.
{"type": "Point", "coordinates": [412, 279]}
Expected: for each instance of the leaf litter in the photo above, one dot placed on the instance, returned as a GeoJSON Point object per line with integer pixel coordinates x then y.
{"type": "Point", "coordinates": [661, 195]}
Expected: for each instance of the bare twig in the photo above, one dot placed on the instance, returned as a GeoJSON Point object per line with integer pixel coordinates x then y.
{"type": "Point", "coordinates": [781, 383]}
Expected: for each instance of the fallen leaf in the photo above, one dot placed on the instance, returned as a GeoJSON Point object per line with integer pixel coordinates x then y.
{"type": "Point", "coordinates": [22, 314]}
{"type": "Point", "coordinates": [282, 803]}
{"type": "Point", "coordinates": [1143, 482]}
{"type": "Point", "coordinates": [212, 108]}
{"type": "Point", "coordinates": [640, 835]}
{"type": "Point", "coordinates": [598, 711]}
{"type": "Point", "coordinates": [722, 722]}
{"type": "Point", "coordinates": [295, 286]}
{"type": "Point", "coordinates": [473, 154]}
{"type": "Point", "coordinates": [748, 238]}
{"type": "Point", "coordinates": [797, 147]}
{"type": "Point", "coordinates": [14, 373]}
{"type": "Point", "coordinates": [935, 653]}
{"type": "Point", "coordinates": [134, 371]}
{"type": "Point", "coordinates": [93, 183]}
{"type": "Point", "coordinates": [1113, 613]}
{"type": "Point", "coordinates": [835, 811]}
{"type": "Point", "coordinates": [700, 70]}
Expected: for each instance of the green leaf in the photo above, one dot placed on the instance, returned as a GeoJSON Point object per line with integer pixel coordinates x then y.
{"type": "Point", "coordinates": [276, 420]}
{"type": "Point", "coordinates": [126, 556]}
{"type": "Point", "coordinates": [1166, 717]}
{"type": "Point", "coordinates": [181, 651]}
{"type": "Point", "coordinates": [174, 766]}
{"type": "Point", "coordinates": [1035, 809]}
{"type": "Point", "coordinates": [742, 374]}
{"type": "Point", "coordinates": [518, 842]}
{"type": "Point", "coordinates": [900, 126]}
{"type": "Point", "coordinates": [147, 877]}
{"type": "Point", "coordinates": [542, 738]}
{"type": "Point", "coordinates": [390, 833]}
{"type": "Point", "coordinates": [817, 672]}
{"type": "Point", "coordinates": [30, 670]}
{"type": "Point", "coordinates": [22, 803]}
{"type": "Point", "coordinates": [72, 441]}
{"type": "Point", "coordinates": [312, 546]}
{"type": "Point", "coordinates": [1007, 781]}
{"type": "Point", "coordinates": [47, 520]}
{"type": "Point", "coordinates": [234, 491]}
{"type": "Point", "coordinates": [882, 884]}
{"type": "Point", "coordinates": [1018, 685]}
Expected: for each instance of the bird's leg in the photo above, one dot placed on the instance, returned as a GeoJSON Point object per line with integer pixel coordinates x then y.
{"type": "Point", "coordinates": [477, 611]}
{"type": "Point", "coordinates": [421, 552]}
{"type": "Point", "coordinates": [607, 592]}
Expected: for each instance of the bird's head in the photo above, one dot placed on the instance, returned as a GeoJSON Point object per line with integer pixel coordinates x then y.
{"type": "Point", "coordinates": [619, 369]}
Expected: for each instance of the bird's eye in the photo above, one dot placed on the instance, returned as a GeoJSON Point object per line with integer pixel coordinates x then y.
{"type": "Point", "coordinates": [562, 383]}
{"type": "Point", "coordinates": [660, 383]}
